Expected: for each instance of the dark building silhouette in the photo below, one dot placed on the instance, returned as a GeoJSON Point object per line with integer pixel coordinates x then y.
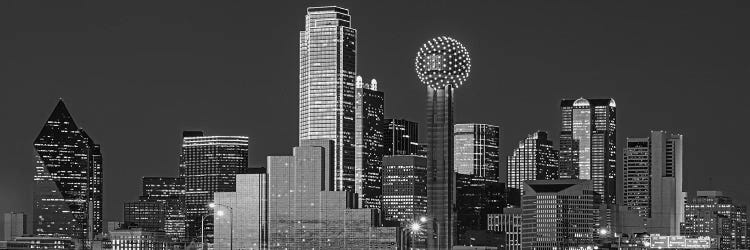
{"type": "Point", "coordinates": [402, 137]}
{"type": "Point", "coordinates": [68, 184]}
{"type": "Point", "coordinates": [171, 192]}
{"type": "Point", "coordinates": [368, 138]}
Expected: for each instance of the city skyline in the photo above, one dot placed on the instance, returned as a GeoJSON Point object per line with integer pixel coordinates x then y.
{"type": "Point", "coordinates": [109, 131]}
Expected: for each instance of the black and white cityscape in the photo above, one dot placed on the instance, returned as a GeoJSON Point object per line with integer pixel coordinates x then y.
{"type": "Point", "coordinates": [140, 150]}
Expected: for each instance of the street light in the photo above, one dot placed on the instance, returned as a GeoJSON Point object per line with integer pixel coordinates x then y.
{"type": "Point", "coordinates": [203, 233]}
{"type": "Point", "coordinates": [231, 220]}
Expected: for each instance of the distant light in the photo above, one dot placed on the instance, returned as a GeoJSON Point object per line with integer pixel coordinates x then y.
{"type": "Point", "coordinates": [423, 219]}
{"type": "Point", "coordinates": [212, 205]}
{"type": "Point", "coordinates": [415, 227]}
{"type": "Point", "coordinates": [220, 213]}
{"type": "Point", "coordinates": [603, 231]}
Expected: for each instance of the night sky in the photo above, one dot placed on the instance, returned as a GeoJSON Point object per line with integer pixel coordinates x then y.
{"type": "Point", "coordinates": [134, 74]}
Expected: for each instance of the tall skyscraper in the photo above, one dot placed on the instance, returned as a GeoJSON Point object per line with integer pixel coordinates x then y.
{"type": "Point", "coordinates": [652, 181]}
{"type": "Point", "coordinates": [170, 191]}
{"type": "Point", "coordinates": [442, 64]}
{"type": "Point", "coordinates": [14, 225]}
{"type": "Point", "coordinates": [559, 214]}
{"type": "Point", "coordinates": [68, 183]}
{"type": "Point", "coordinates": [368, 138]}
{"type": "Point", "coordinates": [305, 214]}
{"type": "Point", "coordinates": [209, 164]}
{"type": "Point", "coordinates": [588, 148]}
{"type": "Point", "coordinates": [712, 214]}
{"type": "Point", "coordinates": [327, 71]}
{"type": "Point", "coordinates": [246, 223]}
{"type": "Point", "coordinates": [404, 187]}
{"type": "Point", "coordinates": [535, 158]}
{"type": "Point", "coordinates": [477, 166]}
{"type": "Point", "coordinates": [401, 137]}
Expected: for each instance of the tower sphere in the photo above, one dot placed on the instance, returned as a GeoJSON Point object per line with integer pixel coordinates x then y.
{"type": "Point", "coordinates": [443, 61]}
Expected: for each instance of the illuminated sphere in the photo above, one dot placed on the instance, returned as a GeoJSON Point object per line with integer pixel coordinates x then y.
{"type": "Point", "coordinates": [443, 61]}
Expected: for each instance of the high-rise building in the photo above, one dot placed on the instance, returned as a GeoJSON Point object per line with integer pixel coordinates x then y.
{"type": "Point", "coordinates": [404, 187]}
{"type": "Point", "coordinates": [402, 137]}
{"type": "Point", "coordinates": [477, 166]}
{"type": "Point", "coordinates": [242, 216]}
{"type": "Point", "coordinates": [712, 214]}
{"type": "Point", "coordinates": [368, 138]}
{"type": "Point", "coordinates": [442, 64]}
{"type": "Point", "coordinates": [209, 164]}
{"type": "Point", "coordinates": [303, 212]}
{"type": "Point", "coordinates": [559, 214]}
{"type": "Point", "coordinates": [14, 225]}
{"type": "Point", "coordinates": [147, 215]}
{"type": "Point", "coordinates": [327, 71]}
{"type": "Point", "coordinates": [509, 222]}
{"type": "Point", "coordinates": [171, 192]}
{"type": "Point", "coordinates": [652, 181]}
{"type": "Point", "coordinates": [68, 183]}
{"type": "Point", "coordinates": [535, 158]}
{"type": "Point", "coordinates": [138, 238]}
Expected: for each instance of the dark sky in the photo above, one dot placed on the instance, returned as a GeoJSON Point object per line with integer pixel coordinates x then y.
{"type": "Point", "coordinates": [136, 73]}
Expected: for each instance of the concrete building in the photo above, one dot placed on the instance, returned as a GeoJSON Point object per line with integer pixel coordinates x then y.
{"type": "Point", "coordinates": [243, 214]}
{"type": "Point", "coordinates": [510, 222]}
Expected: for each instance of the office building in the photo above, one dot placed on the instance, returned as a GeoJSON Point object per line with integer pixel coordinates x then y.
{"type": "Point", "coordinates": [509, 222]}
{"type": "Point", "coordinates": [14, 225]}
{"type": "Point", "coordinates": [404, 187]}
{"type": "Point", "coordinates": [170, 191]}
{"type": "Point", "coordinates": [243, 214]}
{"type": "Point", "coordinates": [113, 225]}
{"type": "Point", "coordinates": [712, 214]}
{"type": "Point", "coordinates": [327, 71]}
{"type": "Point", "coordinates": [477, 166]}
{"type": "Point", "coordinates": [147, 215]}
{"type": "Point", "coordinates": [38, 242]}
{"type": "Point", "coordinates": [138, 239]}
{"type": "Point", "coordinates": [304, 212]}
{"type": "Point", "coordinates": [652, 181]}
{"type": "Point", "coordinates": [368, 140]}
{"type": "Point", "coordinates": [209, 164]}
{"type": "Point", "coordinates": [559, 214]}
{"type": "Point", "coordinates": [442, 65]}
{"type": "Point", "coordinates": [402, 137]}
{"type": "Point", "coordinates": [535, 158]}
{"type": "Point", "coordinates": [68, 183]}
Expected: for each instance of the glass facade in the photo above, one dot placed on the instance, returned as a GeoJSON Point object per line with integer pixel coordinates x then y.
{"type": "Point", "coordinates": [68, 180]}
{"type": "Point", "coordinates": [559, 214]}
{"type": "Point", "coordinates": [148, 215]}
{"type": "Point", "coordinates": [404, 187]}
{"type": "Point", "coordinates": [477, 166]}
{"type": "Point", "coordinates": [535, 158]}
{"type": "Point", "coordinates": [209, 164]}
{"type": "Point", "coordinates": [712, 214]}
{"type": "Point", "coordinates": [327, 86]}
{"type": "Point", "coordinates": [304, 215]}
{"type": "Point", "coordinates": [369, 132]}
{"type": "Point", "coordinates": [402, 138]}
{"type": "Point", "coordinates": [171, 192]}
{"type": "Point", "coordinates": [246, 223]}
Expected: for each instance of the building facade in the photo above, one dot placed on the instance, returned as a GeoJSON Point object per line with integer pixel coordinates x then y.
{"type": "Point", "coordinates": [327, 74]}
{"type": "Point", "coordinates": [246, 223]}
{"type": "Point", "coordinates": [147, 215]}
{"type": "Point", "coordinates": [369, 149]}
{"type": "Point", "coordinates": [477, 165]}
{"type": "Point", "coordinates": [68, 184]}
{"type": "Point", "coordinates": [509, 222]}
{"type": "Point", "coordinates": [535, 158]}
{"type": "Point", "coordinates": [404, 187]}
{"type": "Point", "coordinates": [14, 225]}
{"type": "Point", "coordinates": [402, 137]}
{"type": "Point", "coordinates": [712, 214]}
{"type": "Point", "coordinates": [138, 239]}
{"type": "Point", "coordinates": [559, 214]}
{"type": "Point", "coordinates": [170, 191]}
{"type": "Point", "coordinates": [652, 181]}
{"type": "Point", "coordinates": [209, 164]}
{"type": "Point", "coordinates": [305, 213]}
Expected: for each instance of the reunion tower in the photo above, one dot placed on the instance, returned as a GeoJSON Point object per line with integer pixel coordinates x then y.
{"type": "Point", "coordinates": [442, 64]}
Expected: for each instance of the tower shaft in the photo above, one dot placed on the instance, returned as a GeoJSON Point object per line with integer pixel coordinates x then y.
{"type": "Point", "coordinates": [441, 173]}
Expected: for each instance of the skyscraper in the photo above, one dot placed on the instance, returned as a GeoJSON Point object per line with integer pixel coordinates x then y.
{"type": "Point", "coordinates": [477, 166]}
{"type": "Point", "coordinates": [68, 183]}
{"type": "Point", "coordinates": [368, 160]}
{"type": "Point", "coordinates": [305, 214]}
{"type": "Point", "coordinates": [246, 223]}
{"type": "Point", "coordinates": [535, 158]}
{"type": "Point", "coordinates": [147, 215]}
{"type": "Point", "coordinates": [509, 222]}
{"type": "Point", "coordinates": [401, 137]}
{"type": "Point", "coordinates": [588, 148]}
{"type": "Point", "coordinates": [559, 214]}
{"type": "Point", "coordinates": [652, 181]}
{"type": "Point", "coordinates": [14, 225]}
{"type": "Point", "coordinates": [404, 187]}
{"type": "Point", "coordinates": [209, 164]}
{"type": "Point", "coordinates": [712, 214]}
{"type": "Point", "coordinates": [327, 71]}
{"type": "Point", "coordinates": [442, 64]}
{"type": "Point", "coordinates": [171, 192]}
